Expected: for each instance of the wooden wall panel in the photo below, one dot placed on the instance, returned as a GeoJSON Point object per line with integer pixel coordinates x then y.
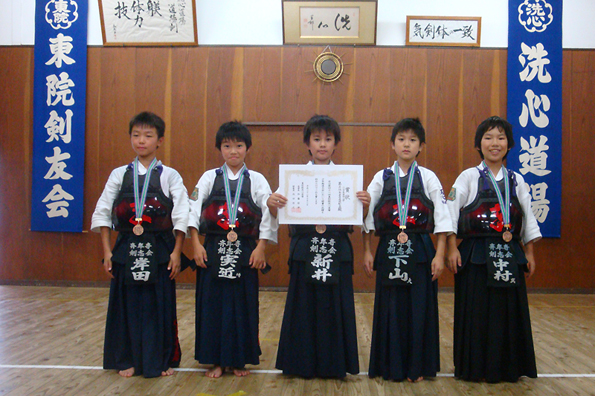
{"type": "Point", "coordinates": [568, 261]}
{"type": "Point", "coordinates": [336, 99]}
{"type": "Point", "coordinates": [271, 147]}
{"type": "Point", "coordinates": [299, 92]}
{"type": "Point", "coordinates": [15, 149]}
{"type": "Point", "coordinates": [185, 133]}
{"type": "Point", "coordinates": [262, 84]}
{"type": "Point", "coordinates": [197, 89]}
{"type": "Point", "coordinates": [220, 92]}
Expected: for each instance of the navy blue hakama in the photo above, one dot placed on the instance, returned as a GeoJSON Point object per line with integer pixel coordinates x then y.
{"type": "Point", "coordinates": [492, 331]}
{"type": "Point", "coordinates": [226, 315]}
{"type": "Point", "coordinates": [141, 329]}
{"type": "Point", "coordinates": [318, 333]}
{"type": "Point", "coordinates": [405, 339]}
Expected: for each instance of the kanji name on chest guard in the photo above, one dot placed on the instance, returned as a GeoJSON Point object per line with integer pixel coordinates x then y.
{"type": "Point", "coordinates": [502, 253]}
{"type": "Point", "coordinates": [142, 252]}
{"type": "Point", "coordinates": [324, 252]}
{"type": "Point", "coordinates": [229, 253]}
{"type": "Point", "coordinates": [401, 253]}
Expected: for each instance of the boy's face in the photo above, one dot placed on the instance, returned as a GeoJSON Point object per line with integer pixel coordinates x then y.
{"type": "Point", "coordinates": [407, 146]}
{"type": "Point", "coordinates": [494, 146]}
{"type": "Point", "coordinates": [322, 146]}
{"type": "Point", "coordinates": [145, 141]}
{"type": "Point", "coordinates": [234, 153]}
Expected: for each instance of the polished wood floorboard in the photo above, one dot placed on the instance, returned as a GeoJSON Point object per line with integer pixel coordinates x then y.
{"type": "Point", "coordinates": [51, 341]}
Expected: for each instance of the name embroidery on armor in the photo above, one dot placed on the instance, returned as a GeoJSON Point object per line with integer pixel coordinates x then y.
{"type": "Point", "coordinates": [229, 252]}
{"type": "Point", "coordinates": [499, 257]}
{"type": "Point", "coordinates": [324, 255]}
{"type": "Point", "coordinates": [401, 254]}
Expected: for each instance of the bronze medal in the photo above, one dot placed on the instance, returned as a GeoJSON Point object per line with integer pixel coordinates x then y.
{"type": "Point", "coordinates": [402, 237]}
{"type": "Point", "coordinates": [138, 229]}
{"type": "Point", "coordinates": [507, 236]}
{"type": "Point", "coordinates": [321, 228]}
{"type": "Point", "coordinates": [232, 236]}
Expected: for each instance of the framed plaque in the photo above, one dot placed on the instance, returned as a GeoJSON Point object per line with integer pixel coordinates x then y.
{"type": "Point", "coordinates": [444, 31]}
{"type": "Point", "coordinates": [329, 22]}
{"type": "Point", "coordinates": [148, 22]}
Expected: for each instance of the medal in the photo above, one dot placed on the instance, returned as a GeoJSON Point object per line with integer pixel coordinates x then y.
{"type": "Point", "coordinates": [507, 236]}
{"type": "Point", "coordinates": [232, 236]}
{"type": "Point", "coordinates": [504, 202]}
{"type": "Point", "coordinates": [232, 206]}
{"type": "Point", "coordinates": [138, 229]}
{"type": "Point", "coordinates": [139, 199]}
{"type": "Point", "coordinates": [403, 205]}
{"type": "Point", "coordinates": [321, 228]}
{"type": "Point", "coordinates": [402, 237]}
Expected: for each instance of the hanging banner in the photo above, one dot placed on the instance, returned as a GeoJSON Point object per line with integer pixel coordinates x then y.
{"type": "Point", "coordinates": [60, 80]}
{"type": "Point", "coordinates": [535, 104]}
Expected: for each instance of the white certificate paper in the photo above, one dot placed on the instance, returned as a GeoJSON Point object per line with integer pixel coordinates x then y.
{"type": "Point", "coordinates": [321, 194]}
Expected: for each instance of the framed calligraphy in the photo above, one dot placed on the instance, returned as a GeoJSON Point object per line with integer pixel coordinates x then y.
{"type": "Point", "coordinates": [329, 22]}
{"type": "Point", "coordinates": [444, 31]}
{"type": "Point", "coordinates": [148, 22]}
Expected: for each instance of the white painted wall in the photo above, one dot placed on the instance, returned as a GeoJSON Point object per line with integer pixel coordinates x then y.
{"type": "Point", "coordinates": [259, 22]}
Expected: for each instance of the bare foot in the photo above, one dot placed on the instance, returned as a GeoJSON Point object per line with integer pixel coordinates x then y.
{"type": "Point", "coordinates": [168, 372]}
{"type": "Point", "coordinates": [241, 372]}
{"type": "Point", "coordinates": [417, 380]}
{"type": "Point", "coordinates": [215, 372]}
{"type": "Point", "coordinates": [127, 373]}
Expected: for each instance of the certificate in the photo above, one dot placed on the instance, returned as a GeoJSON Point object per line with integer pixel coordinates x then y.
{"type": "Point", "coordinates": [321, 194]}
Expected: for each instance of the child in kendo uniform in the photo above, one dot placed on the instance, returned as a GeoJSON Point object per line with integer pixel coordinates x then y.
{"type": "Point", "coordinates": [318, 333]}
{"type": "Point", "coordinates": [407, 205]}
{"type": "Point", "coordinates": [229, 209]}
{"type": "Point", "coordinates": [147, 203]}
{"type": "Point", "coordinates": [491, 212]}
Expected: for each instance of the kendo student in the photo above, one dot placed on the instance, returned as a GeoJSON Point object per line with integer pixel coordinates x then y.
{"type": "Point", "coordinates": [408, 204]}
{"type": "Point", "coordinates": [490, 207]}
{"type": "Point", "coordinates": [147, 203]}
{"type": "Point", "coordinates": [318, 332]}
{"type": "Point", "coordinates": [228, 207]}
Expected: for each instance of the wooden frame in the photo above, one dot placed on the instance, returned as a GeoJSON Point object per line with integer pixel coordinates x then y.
{"type": "Point", "coordinates": [444, 31]}
{"type": "Point", "coordinates": [148, 25]}
{"type": "Point", "coordinates": [330, 22]}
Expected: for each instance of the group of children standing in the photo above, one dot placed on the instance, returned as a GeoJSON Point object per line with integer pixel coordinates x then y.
{"type": "Point", "coordinates": [234, 208]}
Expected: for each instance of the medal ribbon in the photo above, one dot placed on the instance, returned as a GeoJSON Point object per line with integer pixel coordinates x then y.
{"type": "Point", "coordinates": [404, 206]}
{"type": "Point", "coordinates": [232, 209]}
{"type": "Point", "coordinates": [504, 203]}
{"type": "Point", "coordinates": [139, 201]}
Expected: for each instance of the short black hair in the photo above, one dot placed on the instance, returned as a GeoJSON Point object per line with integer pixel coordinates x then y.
{"type": "Point", "coordinates": [406, 124]}
{"type": "Point", "coordinates": [148, 119]}
{"type": "Point", "coordinates": [490, 123]}
{"type": "Point", "coordinates": [233, 131]}
{"type": "Point", "coordinates": [322, 123]}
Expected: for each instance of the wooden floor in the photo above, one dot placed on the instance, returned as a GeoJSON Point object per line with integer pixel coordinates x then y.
{"type": "Point", "coordinates": [51, 342]}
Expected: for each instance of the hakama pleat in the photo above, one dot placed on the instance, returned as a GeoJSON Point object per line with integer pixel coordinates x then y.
{"type": "Point", "coordinates": [227, 319]}
{"type": "Point", "coordinates": [141, 328]}
{"type": "Point", "coordinates": [405, 338]}
{"type": "Point", "coordinates": [318, 333]}
{"type": "Point", "coordinates": [492, 328]}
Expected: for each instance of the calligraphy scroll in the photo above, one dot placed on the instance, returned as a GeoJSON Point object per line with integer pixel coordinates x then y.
{"type": "Point", "coordinates": [60, 80]}
{"type": "Point", "coordinates": [535, 104]}
{"type": "Point", "coordinates": [148, 22]}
